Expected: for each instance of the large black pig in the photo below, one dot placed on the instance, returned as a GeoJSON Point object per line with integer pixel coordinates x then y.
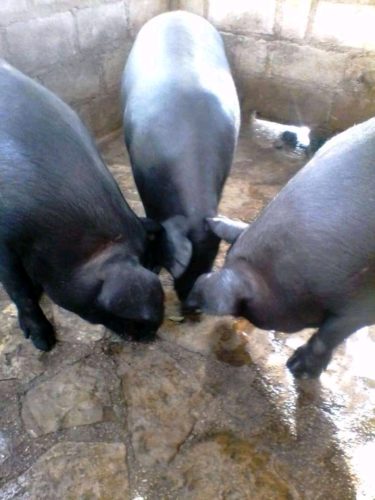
{"type": "Point", "coordinates": [309, 258]}
{"type": "Point", "coordinates": [181, 122]}
{"type": "Point", "coordinates": [65, 227]}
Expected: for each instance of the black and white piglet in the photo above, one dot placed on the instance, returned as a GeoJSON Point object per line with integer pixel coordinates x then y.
{"type": "Point", "coordinates": [181, 122]}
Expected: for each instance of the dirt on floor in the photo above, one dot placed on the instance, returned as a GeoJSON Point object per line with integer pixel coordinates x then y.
{"type": "Point", "coordinates": [207, 411]}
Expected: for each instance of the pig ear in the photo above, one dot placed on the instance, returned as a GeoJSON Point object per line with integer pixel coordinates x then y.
{"type": "Point", "coordinates": [127, 291]}
{"type": "Point", "coordinates": [226, 229]}
{"type": "Point", "coordinates": [177, 248]}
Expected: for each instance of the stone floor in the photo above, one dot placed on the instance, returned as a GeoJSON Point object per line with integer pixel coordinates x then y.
{"type": "Point", "coordinates": [208, 411]}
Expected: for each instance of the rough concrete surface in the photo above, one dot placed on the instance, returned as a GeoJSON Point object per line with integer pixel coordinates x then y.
{"type": "Point", "coordinates": [207, 411]}
{"type": "Point", "coordinates": [285, 49]}
{"type": "Point", "coordinates": [280, 52]}
{"type": "Point", "coordinates": [76, 48]}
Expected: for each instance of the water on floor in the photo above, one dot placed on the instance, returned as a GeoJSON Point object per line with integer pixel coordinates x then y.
{"type": "Point", "coordinates": [207, 411]}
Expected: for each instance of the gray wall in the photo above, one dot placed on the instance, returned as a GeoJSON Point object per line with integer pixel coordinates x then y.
{"type": "Point", "coordinates": [295, 61]}
{"type": "Point", "coordinates": [299, 61]}
{"type": "Point", "coordinates": [77, 48]}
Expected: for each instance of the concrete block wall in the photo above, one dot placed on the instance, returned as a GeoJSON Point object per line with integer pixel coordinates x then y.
{"type": "Point", "coordinates": [308, 62]}
{"type": "Point", "coordinates": [76, 48]}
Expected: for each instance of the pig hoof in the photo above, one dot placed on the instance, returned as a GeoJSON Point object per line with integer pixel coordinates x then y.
{"type": "Point", "coordinates": [145, 337]}
{"type": "Point", "coordinates": [44, 342]}
{"type": "Point", "coordinates": [42, 336]}
{"type": "Point", "coordinates": [142, 332]}
{"type": "Point", "coordinates": [305, 364]}
{"type": "Point", "coordinates": [192, 315]}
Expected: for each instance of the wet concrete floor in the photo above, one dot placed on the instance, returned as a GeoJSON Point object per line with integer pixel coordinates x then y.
{"type": "Point", "coordinates": [207, 411]}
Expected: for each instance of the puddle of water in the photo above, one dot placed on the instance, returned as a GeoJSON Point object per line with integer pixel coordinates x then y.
{"type": "Point", "coordinates": [232, 345]}
{"type": "Point", "coordinates": [361, 349]}
{"type": "Point", "coordinates": [4, 447]}
{"type": "Point", "coordinates": [250, 456]}
{"type": "Point", "coordinates": [363, 461]}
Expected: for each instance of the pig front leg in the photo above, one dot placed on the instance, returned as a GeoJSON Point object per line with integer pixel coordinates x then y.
{"type": "Point", "coordinates": [311, 359]}
{"type": "Point", "coordinates": [26, 297]}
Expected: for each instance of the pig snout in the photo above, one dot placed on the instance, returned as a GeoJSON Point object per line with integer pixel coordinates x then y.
{"type": "Point", "coordinates": [195, 299]}
{"type": "Point", "coordinates": [215, 293]}
{"type": "Point", "coordinates": [144, 331]}
{"type": "Point", "coordinates": [133, 300]}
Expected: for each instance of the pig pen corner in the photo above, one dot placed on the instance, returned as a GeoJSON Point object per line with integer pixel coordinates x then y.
{"type": "Point", "coordinates": [208, 410]}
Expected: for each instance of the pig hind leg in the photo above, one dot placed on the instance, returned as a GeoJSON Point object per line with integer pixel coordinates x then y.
{"type": "Point", "coordinates": [26, 297]}
{"type": "Point", "coordinates": [311, 359]}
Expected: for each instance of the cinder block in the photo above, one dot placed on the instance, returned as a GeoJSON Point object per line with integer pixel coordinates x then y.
{"type": "Point", "coordinates": [345, 24]}
{"type": "Point", "coordinates": [252, 16]}
{"type": "Point", "coordinates": [359, 76]}
{"type": "Point", "coordinates": [194, 6]}
{"type": "Point", "coordinates": [7, 6]}
{"type": "Point", "coordinates": [140, 11]}
{"type": "Point", "coordinates": [113, 65]}
{"type": "Point", "coordinates": [348, 109]}
{"type": "Point", "coordinates": [282, 102]}
{"type": "Point", "coordinates": [294, 18]}
{"type": "Point", "coordinates": [307, 64]}
{"type": "Point", "coordinates": [3, 53]}
{"type": "Point", "coordinates": [98, 26]}
{"type": "Point", "coordinates": [10, 10]}
{"type": "Point", "coordinates": [103, 114]}
{"type": "Point", "coordinates": [54, 2]}
{"type": "Point", "coordinates": [247, 56]}
{"type": "Point", "coordinates": [72, 82]}
{"type": "Point", "coordinates": [41, 42]}
{"type": "Point", "coordinates": [71, 3]}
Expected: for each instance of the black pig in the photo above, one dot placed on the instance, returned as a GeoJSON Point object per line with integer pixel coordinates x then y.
{"type": "Point", "coordinates": [309, 258]}
{"type": "Point", "coordinates": [65, 227]}
{"type": "Point", "coordinates": [181, 122]}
